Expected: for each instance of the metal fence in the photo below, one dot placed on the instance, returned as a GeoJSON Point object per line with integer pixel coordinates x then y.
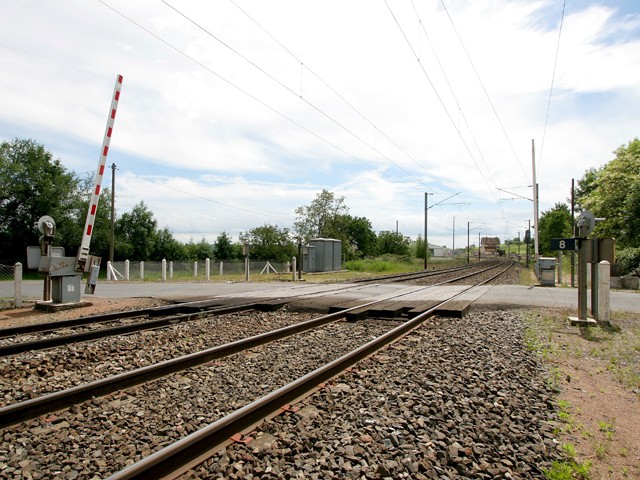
{"type": "Point", "coordinates": [11, 285]}
{"type": "Point", "coordinates": [185, 271]}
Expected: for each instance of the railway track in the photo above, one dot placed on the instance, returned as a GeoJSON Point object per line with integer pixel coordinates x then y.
{"type": "Point", "coordinates": [138, 387]}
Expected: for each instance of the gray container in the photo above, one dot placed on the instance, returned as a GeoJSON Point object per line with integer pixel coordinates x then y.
{"type": "Point", "coordinates": [328, 254]}
{"type": "Point", "coordinates": [547, 266]}
{"type": "Point", "coordinates": [309, 258]}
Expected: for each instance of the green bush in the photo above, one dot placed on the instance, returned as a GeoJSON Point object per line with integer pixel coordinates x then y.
{"type": "Point", "coordinates": [629, 260]}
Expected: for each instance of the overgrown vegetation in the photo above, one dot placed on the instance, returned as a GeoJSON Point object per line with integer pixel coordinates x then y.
{"type": "Point", "coordinates": [616, 349]}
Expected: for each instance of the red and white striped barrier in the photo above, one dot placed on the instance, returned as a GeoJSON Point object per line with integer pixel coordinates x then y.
{"type": "Point", "coordinates": [83, 251]}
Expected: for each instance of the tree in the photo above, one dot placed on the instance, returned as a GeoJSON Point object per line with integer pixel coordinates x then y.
{"type": "Point", "coordinates": [554, 223]}
{"type": "Point", "coordinates": [223, 247]}
{"type": "Point", "coordinates": [613, 192]}
{"type": "Point", "coordinates": [419, 246]}
{"type": "Point", "coordinates": [268, 242]}
{"type": "Point", "coordinates": [33, 184]}
{"type": "Point", "coordinates": [357, 235]}
{"type": "Point", "coordinates": [167, 247]}
{"type": "Point", "coordinates": [137, 234]}
{"type": "Point", "coordinates": [318, 219]}
{"type": "Point", "coordinates": [392, 242]}
{"type": "Point", "coordinates": [199, 251]}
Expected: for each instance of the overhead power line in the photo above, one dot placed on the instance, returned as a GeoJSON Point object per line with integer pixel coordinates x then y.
{"type": "Point", "coordinates": [440, 100]}
{"type": "Point", "coordinates": [287, 88]}
{"type": "Point", "coordinates": [553, 76]}
{"type": "Point", "coordinates": [247, 93]}
{"type": "Point", "coordinates": [495, 112]}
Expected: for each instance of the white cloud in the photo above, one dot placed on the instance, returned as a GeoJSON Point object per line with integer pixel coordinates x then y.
{"type": "Point", "coordinates": [182, 126]}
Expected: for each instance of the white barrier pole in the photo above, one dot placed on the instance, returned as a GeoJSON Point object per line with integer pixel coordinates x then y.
{"type": "Point", "coordinates": [164, 269]}
{"type": "Point", "coordinates": [207, 268]}
{"type": "Point", "coordinates": [141, 270]}
{"type": "Point", "coordinates": [221, 268]}
{"type": "Point", "coordinates": [17, 277]}
{"type": "Point", "coordinates": [171, 270]}
{"type": "Point", "coordinates": [126, 270]}
{"type": "Point", "coordinates": [108, 270]}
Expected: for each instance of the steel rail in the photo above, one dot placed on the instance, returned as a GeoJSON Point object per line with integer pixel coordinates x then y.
{"type": "Point", "coordinates": [28, 409]}
{"type": "Point", "coordinates": [43, 343]}
{"type": "Point", "coordinates": [192, 450]}
{"type": "Point", "coordinates": [194, 307]}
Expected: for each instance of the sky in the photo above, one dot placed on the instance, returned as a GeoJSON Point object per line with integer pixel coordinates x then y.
{"type": "Point", "coordinates": [233, 113]}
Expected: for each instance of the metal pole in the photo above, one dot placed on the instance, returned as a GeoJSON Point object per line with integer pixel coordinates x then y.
{"type": "Point", "coordinates": [528, 243]}
{"type": "Point", "coordinates": [426, 243]}
{"type": "Point", "coordinates": [468, 247]}
{"type": "Point", "coordinates": [478, 246]}
{"type": "Point", "coordinates": [113, 210]}
{"type": "Point", "coordinates": [582, 278]}
{"type": "Point", "coordinates": [573, 232]}
{"type": "Point", "coordinates": [453, 241]}
{"type": "Point", "coordinates": [535, 205]}
{"type": "Point", "coordinates": [519, 246]}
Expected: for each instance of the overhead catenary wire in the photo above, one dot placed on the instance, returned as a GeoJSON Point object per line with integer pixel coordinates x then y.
{"type": "Point", "coordinates": [441, 101]}
{"type": "Point", "coordinates": [290, 90]}
{"type": "Point", "coordinates": [455, 97]}
{"type": "Point", "coordinates": [553, 76]}
{"type": "Point", "coordinates": [493, 108]}
{"type": "Point", "coordinates": [242, 90]}
{"type": "Point", "coordinates": [306, 67]}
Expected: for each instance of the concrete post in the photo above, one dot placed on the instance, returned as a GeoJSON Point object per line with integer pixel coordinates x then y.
{"type": "Point", "coordinates": [108, 270]}
{"type": "Point", "coordinates": [126, 270]}
{"type": "Point", "coordinates": [221, 268]}
{"type": "Point", "coordinates": [141, 270]}
{"type": "Point", "coordinates": [17, 278]}
{"type": "Point", "coordinates": [604, 288]}
{"type": "Point", "coordinates": [170, 270]}
{"type": "Point", "coordinates": [164, 269]}
{"type": "Point", "coordinates": [195, 269]}
{"type": "Point", "coordinates": [295, 270]}
{"type": "Point", "coordinates": [207, 268]}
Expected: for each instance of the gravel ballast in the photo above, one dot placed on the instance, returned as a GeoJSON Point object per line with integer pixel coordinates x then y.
{"type": "Point", "coordinates": [457, 398]}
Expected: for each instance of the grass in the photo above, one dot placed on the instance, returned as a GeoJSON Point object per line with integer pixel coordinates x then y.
{"type": "Point", "coordinates": [615, 347]}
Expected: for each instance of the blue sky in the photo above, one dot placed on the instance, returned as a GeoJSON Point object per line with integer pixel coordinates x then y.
{"type": "Point", "coordinates": [222, 128]}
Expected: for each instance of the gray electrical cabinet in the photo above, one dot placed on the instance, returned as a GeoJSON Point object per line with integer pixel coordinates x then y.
{"type": "Point", "coordinates": [309, 258]}
{"type": "Point", "coordinates": [328, 254]}
{"type": "Point", "coordinates": [547, 266]}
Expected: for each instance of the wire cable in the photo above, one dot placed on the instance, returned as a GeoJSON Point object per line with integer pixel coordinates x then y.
{"type": "Point", "coordinates": [495, 112]}
{"type": "Point", "coordinates": [553, 76]}
{"type": "Point", "coordinates": [316, 108]}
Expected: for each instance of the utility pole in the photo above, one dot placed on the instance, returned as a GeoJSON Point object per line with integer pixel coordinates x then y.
{"type": "Point", "coordinates": [453, 241]}
{"type": "Point", "coordinates": [535, 206]}
{"type": "Point", "coordinates": [426, 243]}
{"type": "Point", "coordinates": [479, 250]}
{"type": "Point", "coordinates": [468, 242]}
{"type": "Point", "coordinates": [573, 233]}
{"type": "Point", "coordinates": [113, 211]}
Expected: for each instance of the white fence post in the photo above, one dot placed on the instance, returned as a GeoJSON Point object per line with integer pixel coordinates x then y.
{"type": "Point", "coordinates": [207, 268]}
{"type": "Point", "coordinates": [108, 270]}
{"type": "Point", "coordinates": [195, 269]}
{"type": "Point", "coordinates": [17, 276]}
{"type": "Point", "coordinates": [126, 270]}
{"type": "Point", "coordinates": [141, 270]}
{"type": "Point", "coordinates": [221, 268]}
{"type": "Point", "coordinates": [171, 270]}
{"type": "Point", "coordinates": [604, 287]}
{"type": "Point", "coordinates": [164, 269]}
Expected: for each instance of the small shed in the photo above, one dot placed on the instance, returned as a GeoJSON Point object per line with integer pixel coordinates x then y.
{"type": "Point", "coordinates": [323, 255]}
